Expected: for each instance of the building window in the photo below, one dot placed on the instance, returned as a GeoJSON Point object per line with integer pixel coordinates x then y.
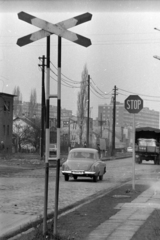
{"type": "Point", "coordinates": [5, 106]}
{"type": "Point", "coordinates": [8, 106]}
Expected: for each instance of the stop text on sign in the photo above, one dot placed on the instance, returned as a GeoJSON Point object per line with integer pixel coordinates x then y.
{"type": "Point", "coordinates": [133, 104]}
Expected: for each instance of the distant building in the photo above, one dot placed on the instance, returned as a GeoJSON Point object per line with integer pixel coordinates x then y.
{"type": "Point", "coordinates": [6, 122]}
{"type": "Point", "coordinates": [145, 117]}
{"type": "Point", "coordinates": [70, 128]}
{"type": "Point", "coordinates": [23, 109]}
{"type": "Point", "coordinates": [124, 122]}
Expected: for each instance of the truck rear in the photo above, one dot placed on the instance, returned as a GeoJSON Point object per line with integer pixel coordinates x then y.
{"type": "Point", "coordinates": [147, 145]}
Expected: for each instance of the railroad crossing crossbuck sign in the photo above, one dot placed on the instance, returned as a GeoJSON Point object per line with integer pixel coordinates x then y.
{"type": "Point", "coordinates": [59, 29]}
{"type": "Point", "coordinates": [133, 104]}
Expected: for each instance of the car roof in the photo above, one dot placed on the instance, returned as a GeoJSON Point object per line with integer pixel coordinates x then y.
{"type": "Point", "coordinates": [84, 150]}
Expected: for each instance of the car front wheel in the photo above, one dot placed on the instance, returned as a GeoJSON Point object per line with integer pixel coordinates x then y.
{"type": "Point", "coordinates": [66, 177]}
{"type": "Point", "coordinates": [95, 178]}
{"type": "Point", "coordinates": [101, 177]}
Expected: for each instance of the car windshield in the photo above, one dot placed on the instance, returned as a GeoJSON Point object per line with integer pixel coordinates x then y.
{"type": "Point", "coordinates": [78, 155]}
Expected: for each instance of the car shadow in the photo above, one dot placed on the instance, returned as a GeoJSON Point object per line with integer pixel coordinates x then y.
{"type": "Point", "coordinates": [83, 180]}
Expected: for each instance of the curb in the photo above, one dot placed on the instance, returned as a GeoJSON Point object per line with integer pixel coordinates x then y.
{"type": "Point", "coordinates": [115, 158]}
{"type": "Point", "coordinates": [39, 219]}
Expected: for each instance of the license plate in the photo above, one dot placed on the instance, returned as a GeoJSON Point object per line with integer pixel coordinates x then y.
{"type": "Point", "coordinates": [77, 172]}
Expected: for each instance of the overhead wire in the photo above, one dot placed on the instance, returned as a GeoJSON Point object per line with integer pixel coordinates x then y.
{"type": "Point", "coordinates": [103, 96]}
{"type": "Point", "coordinates": [69, 79]}
{"type": "Point", "coordinates": [150, 100]}
{"type": "Point", "coordinates": [93, 87]}
{"type": "Point", "coordinates": [64, 84]}
{"type": "Point", "coordinates": [96, 91]}
{"type": "Point", "coordinates": [139, 93]}
{"type": "Point", "coordinates": [70, 82]}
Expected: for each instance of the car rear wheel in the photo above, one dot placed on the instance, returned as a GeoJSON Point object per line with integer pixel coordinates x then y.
{"type": "Point", "coordinates": [101, 177]}
{"type": "Point", "coordinates": [95, 178]}
{"type": "Point", "coordinates": [66, 177]}
{"type": "Point", "coordinates": [75, 177]}
{"type": "Point", "coordinates": [140, 160]}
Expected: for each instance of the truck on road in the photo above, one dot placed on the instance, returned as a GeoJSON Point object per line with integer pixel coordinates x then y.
{"type": "Point", "coordinates": [147, 141]}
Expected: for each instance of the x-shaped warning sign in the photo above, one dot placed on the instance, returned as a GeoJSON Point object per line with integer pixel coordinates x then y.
{"type": "Point", "coordinates": [60, 29]}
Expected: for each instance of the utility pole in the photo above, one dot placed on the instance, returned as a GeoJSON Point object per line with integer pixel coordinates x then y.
{"type": "Point", "coordinates": [47, 136]}
{"type": "Point", "coordinates": [101, 125]}
{"type": "Point", "coordinates": [88, 110]}
{"type": "Point", "coordinates": [114, 120]}
{"type": "Point", "coordinates": [42, 107]}
{"type": "Point", "coordinates": [69, 130]}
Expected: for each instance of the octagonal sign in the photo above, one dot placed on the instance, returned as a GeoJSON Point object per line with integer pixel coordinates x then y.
{"type": "Point", "coordinates": [133, 104]}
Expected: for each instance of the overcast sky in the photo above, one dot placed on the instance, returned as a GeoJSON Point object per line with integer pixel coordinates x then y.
{"type": "Point", "coordinates": [123, 45]}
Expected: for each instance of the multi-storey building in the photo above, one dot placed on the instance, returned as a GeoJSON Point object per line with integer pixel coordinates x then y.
{"type": "Point", "coordinates": [124, 122]}
{"type": "Point", "coordinates": [145, 117]}
{"type": "Point", "coordinates": [24, 109]}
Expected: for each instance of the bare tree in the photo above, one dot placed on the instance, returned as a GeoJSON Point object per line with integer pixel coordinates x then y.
{"type": "Point", "coordinates": [82, 103]}
{"type": "Point", "coordinates": [21, 133]}
{"type": "Point", "coordinates": [17, 109]}
{"type": "Point", "coordinates": [33, 103]}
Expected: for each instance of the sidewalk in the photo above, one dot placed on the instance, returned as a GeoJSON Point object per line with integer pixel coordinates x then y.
{"type": "Point", "coordinates": [125, 223]}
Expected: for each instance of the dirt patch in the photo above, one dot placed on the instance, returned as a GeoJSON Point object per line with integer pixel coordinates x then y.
{"type": "Point", "coordinates": [26, 161]}
{"type": "Point", "coordinates": [78, 224]}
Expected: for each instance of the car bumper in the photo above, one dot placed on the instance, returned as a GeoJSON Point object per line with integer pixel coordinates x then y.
{"type": "Point", "coordinates": [79, 173]}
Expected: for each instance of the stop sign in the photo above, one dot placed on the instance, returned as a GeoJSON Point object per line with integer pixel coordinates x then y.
{"type": "Point", "coordinates": [133, 104]}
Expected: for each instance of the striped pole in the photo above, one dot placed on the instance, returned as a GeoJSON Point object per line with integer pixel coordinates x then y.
{"type": "Point", "coordinates": [47, 139]}
{"type": "Point", "coordinates": [42, 108]}
{"type": "Point", "coordinates": [58, 135]}
{"type": "Point", "coordinates": [88, 111]}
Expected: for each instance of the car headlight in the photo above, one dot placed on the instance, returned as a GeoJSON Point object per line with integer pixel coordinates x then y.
{"type": "Point", "coordinates": [65, 167]}
{"type": "Point", "coordinates": [93, 168]}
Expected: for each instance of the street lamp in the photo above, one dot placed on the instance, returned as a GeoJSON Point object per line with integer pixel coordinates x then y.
{"type": "Point", "coordinates": [157, 29]}
{"type": "Point", "coordinates": [156, 57]}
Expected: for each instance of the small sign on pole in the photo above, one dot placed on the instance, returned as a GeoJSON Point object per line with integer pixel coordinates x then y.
{"type": "Point", "coordinates": [133, 104]}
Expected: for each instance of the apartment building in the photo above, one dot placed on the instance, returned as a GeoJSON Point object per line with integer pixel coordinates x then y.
{"type": "Point", "coordinates": [23, 108]}
{"type": "Point", "coordinates": [145, 117]}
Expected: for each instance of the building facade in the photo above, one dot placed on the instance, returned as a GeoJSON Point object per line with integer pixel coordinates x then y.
{"type": "Point", "coordinates": [6, 122]}
{"type": "Point", "coordinates": [23, 109]}
{"type": "Point", "coordinates": [145, 118]}
{"type": "Point", "coordinates": [124, 122]}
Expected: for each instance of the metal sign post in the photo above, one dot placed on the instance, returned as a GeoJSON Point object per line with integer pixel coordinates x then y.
{"type": "Point", "coordinates": [133, 104]}
{"type": "Point", "coordinates": [133, 156]}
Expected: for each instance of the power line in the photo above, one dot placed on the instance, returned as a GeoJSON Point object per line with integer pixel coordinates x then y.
{"type": "Point", "coordinates": [73, 81]}
{"type": "Point", "coordinates": [139, 93]}
{"type": "Point", "coordinates": [150, 100]}
{"type": "Point", "coordinates": [98, 96]}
